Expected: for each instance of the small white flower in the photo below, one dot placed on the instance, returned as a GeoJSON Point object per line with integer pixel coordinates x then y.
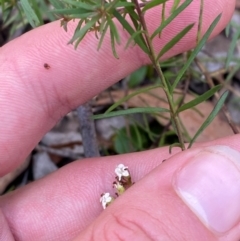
{"type": "Point", "coordinates": [122, 171]}
{"type": "Point", "coordinates": [106, 199]}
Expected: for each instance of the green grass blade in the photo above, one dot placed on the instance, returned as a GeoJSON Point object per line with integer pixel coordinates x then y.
{"type": "Point", "coordinates": [171, 18]}
{"type": "Point", "coordinates": [210, 118]}
{"type": "Point", "coordinates": [126, 98]}
{"type": "Point", "coordinates": [196, 51]}
{"type": "Point", "coordinates": [199, 99]}
{"type": "Point", "coordinates": [141, 110]}
{"type": "Point", "coordinates": [174, 41]}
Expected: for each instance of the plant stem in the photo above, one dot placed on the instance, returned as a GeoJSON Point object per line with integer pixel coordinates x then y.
{"type": "Point", "coordinates": [156, 65]}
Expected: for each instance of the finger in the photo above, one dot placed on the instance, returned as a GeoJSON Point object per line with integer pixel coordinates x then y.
{"type": "Point", "coordinates": [66, 201]}
{"type": "Point", "coordinates": [194, 195]}
{"type": "Point", "coordinates": [33, 98]}
{"type": "Point", "coordinates": [61, 205]}
{"type": "Point", "coordinates": [5, 233]}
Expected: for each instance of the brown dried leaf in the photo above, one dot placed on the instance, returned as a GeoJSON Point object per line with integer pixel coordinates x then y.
{"type": "Point", "coordinates": [191, 119]}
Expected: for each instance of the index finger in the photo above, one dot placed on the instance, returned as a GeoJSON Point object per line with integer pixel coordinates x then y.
{"type": "Point", "coordinates": [33, 97]}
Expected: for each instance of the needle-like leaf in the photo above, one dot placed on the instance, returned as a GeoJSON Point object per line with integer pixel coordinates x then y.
{"type": "Point", "coordinates": [210, 118]}
{"type": "Point", "coordinates": [152, 110]}
{"type": "Point", "coordinates": [196, 51]}
{"type": "Point", "coordinates": [199, 99]}
{"type": "Point", "coordinates": [174, 41]}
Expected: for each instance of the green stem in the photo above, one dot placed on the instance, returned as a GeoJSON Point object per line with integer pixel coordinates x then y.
{"type": "Point", "coordinates": [156, 65]}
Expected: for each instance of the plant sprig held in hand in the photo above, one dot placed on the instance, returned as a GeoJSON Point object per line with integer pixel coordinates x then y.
{"type": "Point", "coordinates": [102, 16]}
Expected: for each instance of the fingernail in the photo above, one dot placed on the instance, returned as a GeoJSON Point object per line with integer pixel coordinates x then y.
{"type": "Point", "coordinates": [209, 184]}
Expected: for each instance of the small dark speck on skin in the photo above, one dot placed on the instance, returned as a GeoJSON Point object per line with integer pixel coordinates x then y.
{"type": "Point", "coordinates": [46, 66]}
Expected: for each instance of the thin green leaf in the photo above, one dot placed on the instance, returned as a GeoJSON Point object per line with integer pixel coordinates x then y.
{"type": "Point", "coordinates": [137, 77]}
{"type": "Point", "coordinates": [233, 72]}
{"type": "Point", "coordinates": [124, 4]}
{"type": "Point", "coordinates": [153, 4]}
{"type": "Point", "coordinates": [38, 12]}
{"type": "Point", "coordinates": [139, 141]}
{"type": "Point", "coordinates": [79, 35]}
{"type": "Point", "coordinates": [128, 141]}
{"type": "Point", "coordinates": [171, 18]}
{"type": "Point", "coordinates": [133, 15]}
{"type": "Point", "coordinates": [30, 13]}
{"type": "Point", "coordinates": [151, 110]}
{"type": "Point", "coordinates": [113, 44]}
{"type": "Point", "coordinates": [135, 20]}
{"type": "Point", "coordinates": [128, 97]}
{"type": "Point", "coordinates": [3, 5]}
{"type": "Point", "coordinates": [131, 31]}
{"type": "Point", "coordinates": [196, 51]}
{"type": "Point", "coordinates": [199, 99]}
{"type": "Point", "coordinates": [210, 118]}
{"type": "Point", "coordinates": [163, 16]}
{"type": "Point", "coordinates": [200, 20]}
{"type": "Point", "coordinates": [164, 135]}
{"type": "Point", "coordinates": [75, 12]}
{"type": "Point", "coordinates": [132, 38]}
{"type": "Point", "coordinates": [174, 145]}
{"type": "Point", "coordinates": [175, 5]}
{"type": "Point", "coordinates": [57, 4]}
{"type": "Point", "coordinates": [227, 30]}
{"type": "Point", "coordinates": [44, 6]}
{"type": "Point", "coordinates": [105, 28]}
{"type": "Point", "coordinates": [113, 29]}
{"type": "Point", "coordinates": [174, 41]}
{"type": "Point", "coordinates": [232, 47]}
{"type": "Point", "coordinates": [81, 5]}
{"type": "Point", "coordinates": [111, 5]}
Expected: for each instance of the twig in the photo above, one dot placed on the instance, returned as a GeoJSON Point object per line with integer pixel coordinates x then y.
{"type": "Point", "coordinates": [64, 152]}
{"type": "Point", "coordinates": [88, 131]}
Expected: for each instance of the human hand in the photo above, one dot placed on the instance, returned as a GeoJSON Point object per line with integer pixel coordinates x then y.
{"type": "Point", "coordinates": [65, 205]}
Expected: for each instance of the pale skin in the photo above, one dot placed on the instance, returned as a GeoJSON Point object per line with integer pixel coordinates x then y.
{"type": "Point", "coordinates": [65, 205]}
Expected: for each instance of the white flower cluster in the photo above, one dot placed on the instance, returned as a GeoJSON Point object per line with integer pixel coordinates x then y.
{"type": "Point", "coordinates": [123, 181]}
{"type": "Point", "coordinates": [122, 171]}
{"type": "Point", "coordinates": [106, 199]}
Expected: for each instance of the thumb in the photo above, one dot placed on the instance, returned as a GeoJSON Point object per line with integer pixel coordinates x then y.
{"type": "Point", "coordinates": [195, 195]}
